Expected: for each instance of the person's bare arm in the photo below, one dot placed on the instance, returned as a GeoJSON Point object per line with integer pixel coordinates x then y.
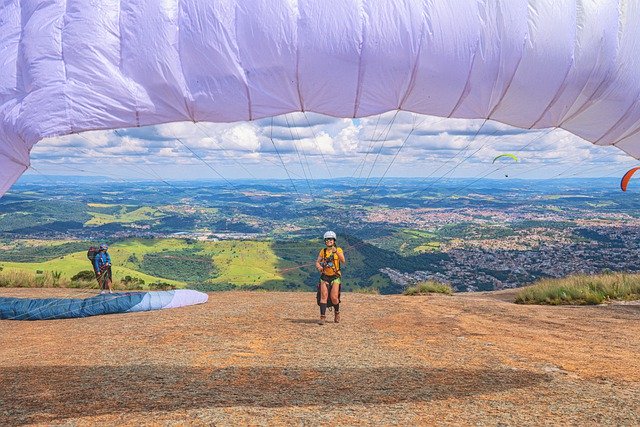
{"type": "Point", "coordinates": [318, 266]}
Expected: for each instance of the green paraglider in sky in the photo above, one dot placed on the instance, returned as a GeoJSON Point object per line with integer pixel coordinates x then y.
{"type": "Point", "coordinates": [513, 156]}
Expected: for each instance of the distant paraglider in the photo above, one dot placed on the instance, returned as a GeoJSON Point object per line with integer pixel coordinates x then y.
{"type": "Point", "coordinates": [627, 176]}
{"type": "Point", "coordinates": [509, 155]}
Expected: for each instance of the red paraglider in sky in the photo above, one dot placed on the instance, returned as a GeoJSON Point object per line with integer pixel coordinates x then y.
{"type": "Point", "coordinates": [627, 176]}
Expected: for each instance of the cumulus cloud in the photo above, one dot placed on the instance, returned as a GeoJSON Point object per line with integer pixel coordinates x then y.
{"type": "Point", "coordinates": [303, 143]}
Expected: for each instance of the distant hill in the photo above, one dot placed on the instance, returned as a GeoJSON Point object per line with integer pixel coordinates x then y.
{"type": "Point", "coordinates": [245, 264]}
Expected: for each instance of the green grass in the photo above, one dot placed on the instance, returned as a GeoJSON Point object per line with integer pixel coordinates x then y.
{"type": "Point", "coordinates": [418, 233]}
{"type": "Point", "coordinates": [582, 290]}
{"type": "Point", "coordinates": [408, 242]}
{"type": "Point", "coordinates": [429, 287]}
{"type": "Point", "coordinates": [69, 265]}
{"type": "Point", "coordinates": [235, 263]}
{"type": "Point", "coordinates": [124, 217]}
{"type": "Point", "coordinates": [244, 263]}
{"type": "Point", "coordinates": [428, 247]}
{"type": "Point", "coordinates": [52, 279]}
{"type": "Point", "coordinates": [100, 205]}
{"type": "Point", "coordinates": [564, 196]}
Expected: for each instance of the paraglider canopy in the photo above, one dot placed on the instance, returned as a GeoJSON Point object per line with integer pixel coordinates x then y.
{"type": "Point", "coordinates": [69, 67]}
{"type": "Point", "coordinates": [627, 176]}
{"type": "Point", "coordinates": [508, 155]}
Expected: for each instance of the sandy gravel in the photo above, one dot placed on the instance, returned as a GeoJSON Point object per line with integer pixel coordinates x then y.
{"type": "Point", "coordinates": [260, 359]}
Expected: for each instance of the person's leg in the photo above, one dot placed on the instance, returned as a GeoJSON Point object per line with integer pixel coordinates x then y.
{"type": "Point", "coordinates": [335, 299]}
{"type": "Point", "coordinates": [324, 292]}
{"type": "Point", "coordinates": [324, 295]}
{"type": "Point", "coordinates": [101, 283]}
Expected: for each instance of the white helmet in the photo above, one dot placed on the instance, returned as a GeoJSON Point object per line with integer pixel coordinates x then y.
{"type": "Point", "coordinates": [329, 235]}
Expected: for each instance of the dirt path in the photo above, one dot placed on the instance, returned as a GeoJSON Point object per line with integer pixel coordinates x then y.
{"type": "Point", "coordinates": [258, 358]}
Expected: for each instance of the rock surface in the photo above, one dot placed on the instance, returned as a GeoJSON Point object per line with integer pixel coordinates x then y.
{"type": "Point", "coordinates": [259, 358]}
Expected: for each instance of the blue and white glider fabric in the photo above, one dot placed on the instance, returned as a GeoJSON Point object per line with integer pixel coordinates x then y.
{"type": "Point", "coordinates": [129, 302]}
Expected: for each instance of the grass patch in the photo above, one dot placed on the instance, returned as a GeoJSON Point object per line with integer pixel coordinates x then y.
{"type": "Point", "coordinates": [24, 279]}
{"type": "Point", "coordinates": [429, 287]}
{"type": "Point", "coordinates": [428, 247]}
{"type": "Point", "coordinates": [582, 290]}
{"type": "Point", "coordinates": [124, 217]}
{"type": "Point", "coordinates": [34, 251]}
{"type": "Point", "coordinates": [53, 279]}
{"type": "Point", "coordinates": [244, 263]}
{"type": "Point", "coordinates": [185, 265]}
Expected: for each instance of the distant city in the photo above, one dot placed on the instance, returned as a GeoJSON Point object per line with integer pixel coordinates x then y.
{"type": "Point", "coordinates": [475, 235]}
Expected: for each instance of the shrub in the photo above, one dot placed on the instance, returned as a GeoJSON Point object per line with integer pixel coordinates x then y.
{"type": "Point", "coordinates": [161, 286]}
{"type": "Point", "coordinates": [55, 277]}
{"type": "Point", "coordinates": [84, 284]}
{"type": "Point", "coordinates": [133, 280]}
{"type": "Point", "coordinates": [84, 276]}
{"type": "Point", "coordinates": [582, 289]}
{"type": "Point", "coordinates": [429, 287]}
{"type": "Point", "coordinates": [127, 286]}
{"type": "Point", "coordinates": [17, 279]}
{"type": "Point", "coordinates": [25, 279]}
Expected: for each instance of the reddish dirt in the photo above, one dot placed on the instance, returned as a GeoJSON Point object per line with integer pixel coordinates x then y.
{"type": "Point", "coordinates": [260, 359]}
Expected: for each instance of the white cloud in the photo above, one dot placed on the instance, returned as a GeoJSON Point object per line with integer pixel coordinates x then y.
{"type": "Point", "coordinates": [243, 137]}
{"type": "Point", "coordinates": [247, 148]}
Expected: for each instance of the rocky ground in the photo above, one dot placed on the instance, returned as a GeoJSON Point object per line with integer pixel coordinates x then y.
{"type": "Point", "coordinates": [260, 359]}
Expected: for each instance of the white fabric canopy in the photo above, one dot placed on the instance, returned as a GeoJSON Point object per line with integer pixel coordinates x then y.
{"type": "Point", "coordinates": [68, 66]}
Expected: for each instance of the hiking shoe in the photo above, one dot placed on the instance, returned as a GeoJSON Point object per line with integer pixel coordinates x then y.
{"type": "Point", "coordinates": [103, 292]}
{"type": "Point", "coordinates": [336, 317]}
{"type": "Point", "coordinates": [322, 320]}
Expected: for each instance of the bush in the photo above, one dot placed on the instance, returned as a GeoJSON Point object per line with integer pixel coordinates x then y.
{"type": "Point", "coordinates": [429, 287]}
{"type": "Point", "coordinates": [129, 283]}
{"type": "Point", "coordinates": [582, 290]}
{"type": "Point", "coordinates": [17, 279]}
{"type": "Point", "coordinates": [187, 265]}
{"type": "Point", "coordinates": [24, 279]}
{"type": "Point", "coordinates": [133, 280]}
{"type": "Point", "coordinates": [84, 276]}
{"type": "Point", "coordinates": [161, 286]}
{"type": "Point", "coordinates": [83, 284]}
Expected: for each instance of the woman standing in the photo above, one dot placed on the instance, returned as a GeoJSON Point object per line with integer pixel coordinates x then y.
{"type": "Point", "coordinates": [329, 261]}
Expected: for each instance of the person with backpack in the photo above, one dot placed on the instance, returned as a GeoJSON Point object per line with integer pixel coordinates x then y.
{"type": "Point", "coordinates": [102, 267]}
{"type": "Point", "coordinates": [328, 264]}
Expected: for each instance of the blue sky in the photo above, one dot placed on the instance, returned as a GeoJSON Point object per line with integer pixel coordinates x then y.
{"type": "Point", "coordinates": [315, 146]}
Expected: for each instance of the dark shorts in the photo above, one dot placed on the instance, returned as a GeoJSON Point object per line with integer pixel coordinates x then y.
{"type": "Point", "coordinates": [329, 279]}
